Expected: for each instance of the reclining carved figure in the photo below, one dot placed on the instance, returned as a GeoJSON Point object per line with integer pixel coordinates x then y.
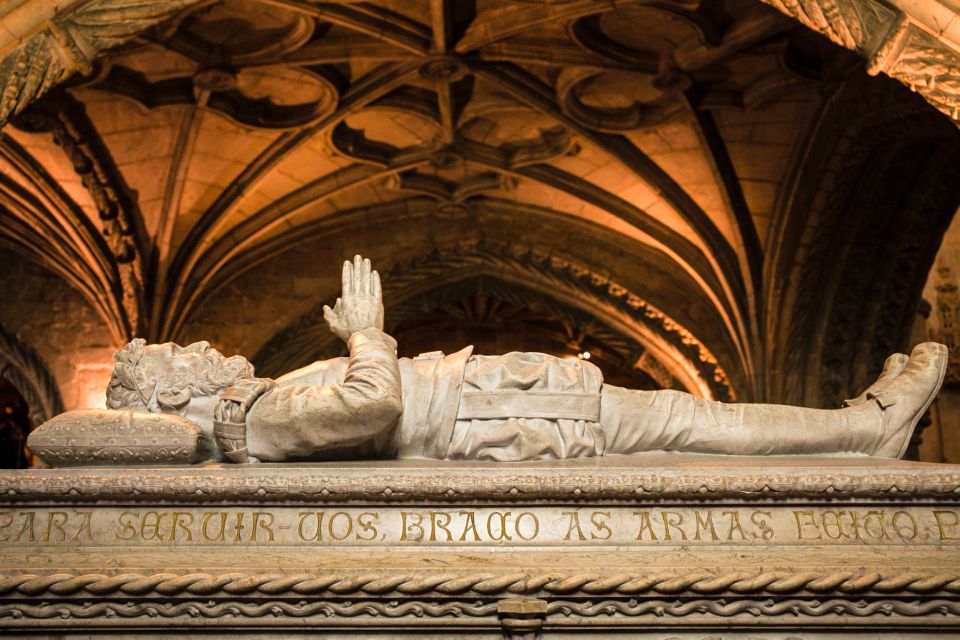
{"type": "Point", "coordinates": [515, 407]}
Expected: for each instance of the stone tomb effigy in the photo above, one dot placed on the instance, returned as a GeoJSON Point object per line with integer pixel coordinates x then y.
{"type": "Point", "coordinates": [653, 546]}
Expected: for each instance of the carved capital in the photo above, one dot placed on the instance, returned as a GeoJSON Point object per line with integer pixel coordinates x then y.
{"type": "Point", "coordinates": [69, 42]}
{"type": "Point", "coordinates": [913, 49]}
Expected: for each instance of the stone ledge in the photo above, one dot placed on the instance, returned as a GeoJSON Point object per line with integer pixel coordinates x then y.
{"type": "Point", "coordinates": [649, 477]}
{"type": "Point", "coordinates": [672, 542]}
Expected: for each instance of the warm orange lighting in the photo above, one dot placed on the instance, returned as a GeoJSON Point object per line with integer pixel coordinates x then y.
{"type": "Point", "coordinates": [89, 385]}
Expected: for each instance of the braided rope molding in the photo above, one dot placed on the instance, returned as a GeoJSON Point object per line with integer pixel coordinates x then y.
{"type": "Point", "coordinates": [210, 610]}
{"type": "Point", "coordinates": [794, 607]}
{"type": "Point", "coordinates": [557, 611]}
{"type": "Point", "coordinates": [479, 584]}
{"type": "Point", "coordinates": [293, 485]}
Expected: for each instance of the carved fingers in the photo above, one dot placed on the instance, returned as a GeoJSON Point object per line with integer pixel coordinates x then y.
{"type": "Point", "coordinates": [363, 268]}
{"type": "Point", "coordinates": [356, 278]}
{"type": "Point", "coordinates": [361, 303]}
{"type": "Point", "coordinates": [377, 291]}
{"type": "Point", "coordinates": [346, 280]}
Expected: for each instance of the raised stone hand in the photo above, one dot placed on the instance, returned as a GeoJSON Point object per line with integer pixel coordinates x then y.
{"type": "Point", "coordinates": [361, 303]}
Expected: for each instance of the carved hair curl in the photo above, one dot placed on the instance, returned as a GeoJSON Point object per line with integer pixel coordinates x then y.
{"type": "Point", "coordinates": [163, 378]}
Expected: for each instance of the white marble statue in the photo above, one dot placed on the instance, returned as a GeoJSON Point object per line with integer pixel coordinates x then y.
{"type": "Point", "coordinates": [514, 407]}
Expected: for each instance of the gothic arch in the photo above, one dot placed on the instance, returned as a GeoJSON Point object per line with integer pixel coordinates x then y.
{"type": "Point", "coordinates": [22, 367]}
{"type": "Point", "coordinates": [888, 181]}
{"type": "Point", "coordinates": [918, 49]}
{"type": "Point", "coordinates": [565, 283]}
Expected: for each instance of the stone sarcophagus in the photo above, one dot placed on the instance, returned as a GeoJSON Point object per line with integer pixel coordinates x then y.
{"type": "Point", "coordinates": [650, 546]}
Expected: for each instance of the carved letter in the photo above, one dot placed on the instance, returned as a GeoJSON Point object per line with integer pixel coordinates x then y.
{"type": "Point", "coordinates": [705, 524]}
{"type": "Point", "coordinates": [766, 532]}
{"type": "Point", "coordinates": [470, 524]}
{"type": "Point", "coordinates": [332, 525]}
{"type": "Point", "coordinates": [261, 520]}
{"type": "Point", "coordinates": [6, 519]}
{"type": "Point", "coordinates": [239, 526]}
{"type": "Point", "coordinates": [439, 520]}
{"type": "Point", "coordinates": [519, 530]}
{"type": "Point", "coordinates": [837, 525]}
{"type": "Point", "coordinates": [502, 534]}
{"type": "Point", "coordinates": [55, 522]}
{"type": "Point", "coordinates": [404, 527]}
{"type": "Point", "coordinates": [150, 525]}
{"type": "Point", "coordinates": [939, 515]}
{"type": "Point", "coordinates": [207, 517]}
{"type": "Point", "coordinates": [367, 521]}
{"type": "Point", "coordinates": [735, 525]}
{"type": "Point", "coordinates": [84, 525]}
{"type": "Point", "coordinates": [26, 527]}
{"type": "Point", "coordinates": [810, 522]}
{"type": "Point", "coordinates": [897, 527]}
{"type": "Point", "coordinates": [181, 520]}
{"type": "Point", "coordinates": [125, 521]}
{"type": "Point", "coordinates": [879, 516]}
{"type": "Point", "coordinates": [667, 524]}
{"type": "Point", "coordinates": [645, 525]}
{"type": "Point", "coordinates": [599, 520]}
{"type": "Point", "coordinates": [855, 524]}
{"type": "Point", "coordinates": [318, 518]}
{"type": "Point", "coordinates": [574, 517]}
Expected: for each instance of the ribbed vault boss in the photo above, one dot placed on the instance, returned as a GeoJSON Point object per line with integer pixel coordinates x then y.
{"type": "Point", "coordinates": [514, 407]}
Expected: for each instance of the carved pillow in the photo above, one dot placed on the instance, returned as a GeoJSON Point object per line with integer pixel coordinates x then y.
{"type": "Point", "coordinates": [108, 437]}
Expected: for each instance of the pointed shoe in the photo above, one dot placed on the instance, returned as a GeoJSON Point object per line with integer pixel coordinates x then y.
{"type": "Point", "coordinates": [905, 399]}
{"type": "Point", "coordinates": [891, 369]}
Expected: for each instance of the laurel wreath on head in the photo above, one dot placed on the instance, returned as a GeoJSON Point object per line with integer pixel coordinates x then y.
{"type": "Point", "coordinates": [125, 371]}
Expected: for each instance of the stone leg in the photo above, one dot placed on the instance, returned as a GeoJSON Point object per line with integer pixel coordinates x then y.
{"type": "Point", "coordinates": [879, 424]}
{"type": "Point", "coordinates": [636, 421]}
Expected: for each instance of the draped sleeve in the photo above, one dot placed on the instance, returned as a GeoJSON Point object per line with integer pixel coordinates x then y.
{"type": "Point", "coordinates": [299, 421]}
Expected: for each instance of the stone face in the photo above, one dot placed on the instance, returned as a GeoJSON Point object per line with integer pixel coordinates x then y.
{"type": "Point", "coordinates": [697, 542]}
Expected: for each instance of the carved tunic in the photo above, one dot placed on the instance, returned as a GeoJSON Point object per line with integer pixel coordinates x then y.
{"type": "Point", "coordinates": [528, 406]}
{"type": "Point", "coordinates": [519, 406]}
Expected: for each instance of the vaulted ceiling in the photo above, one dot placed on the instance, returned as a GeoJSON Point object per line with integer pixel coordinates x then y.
{"type": "Point", "coordinates": [703, 193]}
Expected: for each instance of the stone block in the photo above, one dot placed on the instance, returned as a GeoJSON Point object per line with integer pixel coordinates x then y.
{"type": "Point", "coordinates": [653, 546]}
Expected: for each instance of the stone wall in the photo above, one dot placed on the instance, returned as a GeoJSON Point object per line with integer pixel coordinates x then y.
{"type": "Point", "coordinates": [941, 441]}
{"type": "Point", "coordinates": [64, 330]}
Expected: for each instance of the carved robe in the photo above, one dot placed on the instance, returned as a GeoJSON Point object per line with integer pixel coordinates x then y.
{"type": "Point", "coordinates": [519, 406]}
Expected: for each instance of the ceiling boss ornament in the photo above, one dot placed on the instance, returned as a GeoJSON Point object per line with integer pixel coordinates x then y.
{"type": "Point", "coordinates": [443, 69]}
